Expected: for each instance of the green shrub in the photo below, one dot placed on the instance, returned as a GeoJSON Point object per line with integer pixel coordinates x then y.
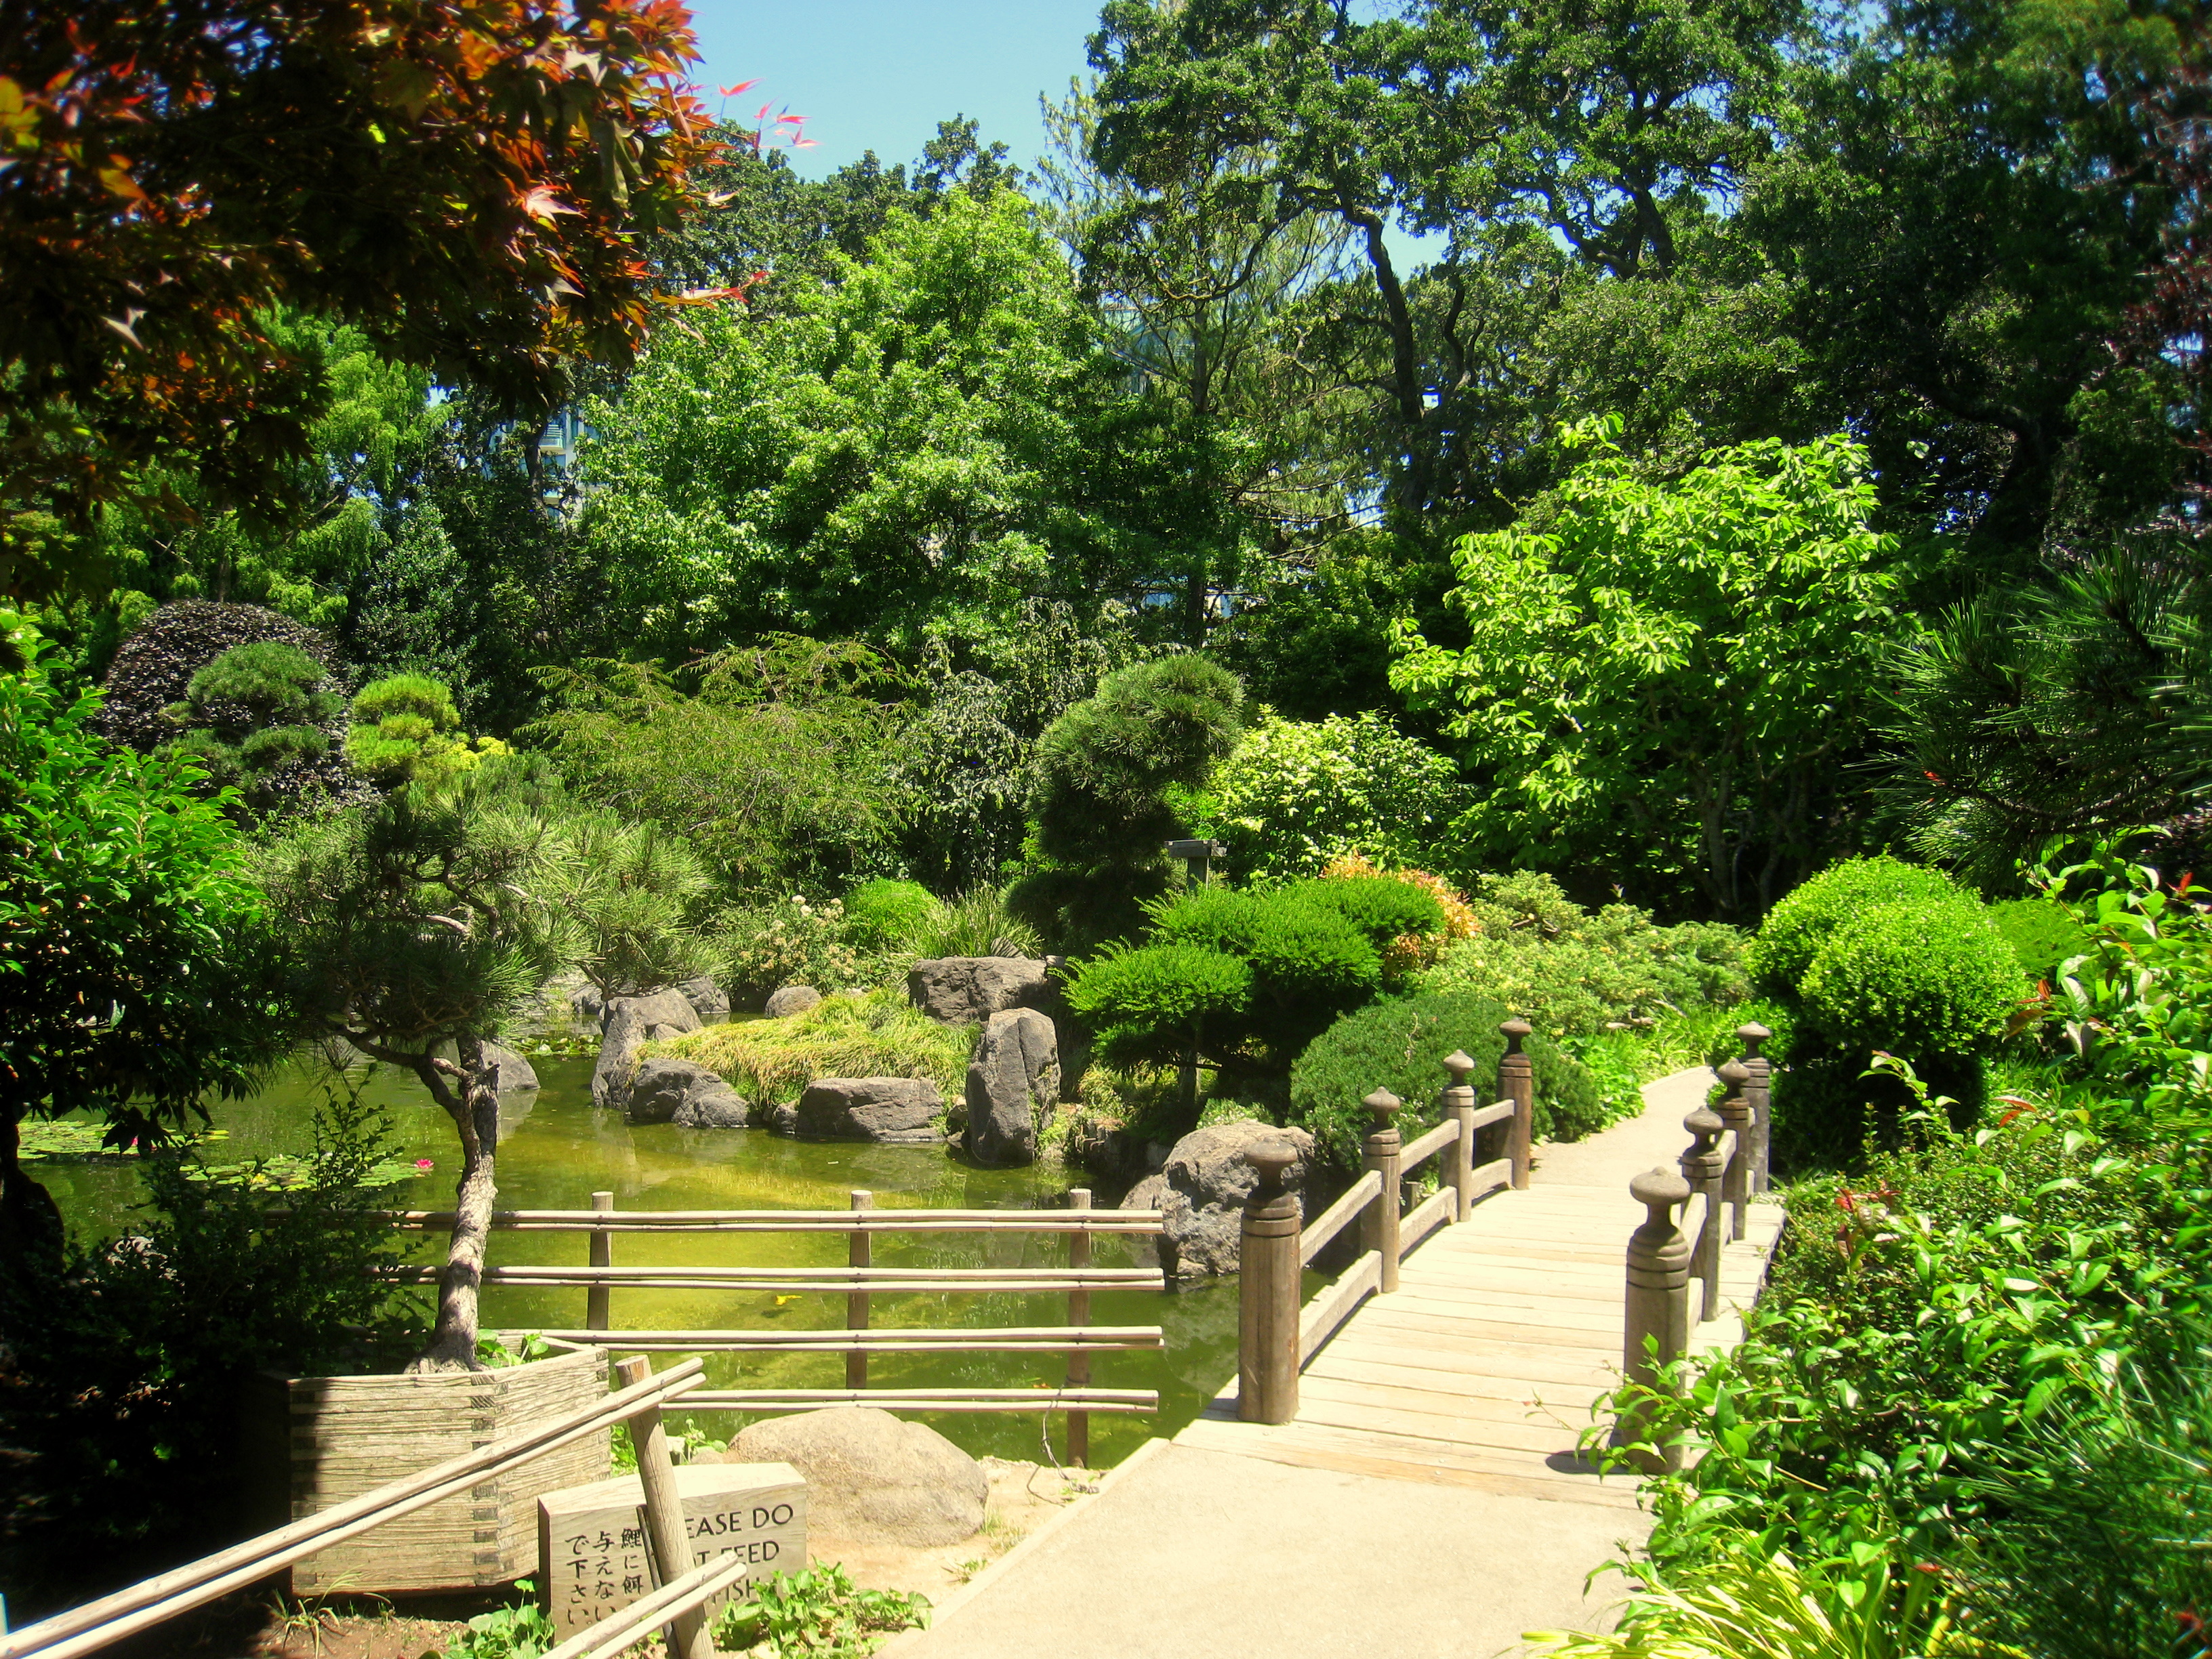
{"type": "Point", "coordinates": [1918, 979]}
{"type": "Point", "coordinates": [883, 915]}
{"type": "Point", "coordinates": [406, 730]}
{"type": "Point", "coordinates": [1309, 964]}
{"type": "Point", "coordinates": [2042, 934]}
{"type": "Point", "coordinates": [1793, 931]}
{"type": "Point", "coordinates": [1297, 794]}
{"type": "Point", "coordinates": [1381, 907]}
{"type": "Point", "coordinates": [1569, 972]}
{"type": "Point", "coordinates": [880, 1035]}
{"type": "Point", "coordinates": [1149, 1004]}
{"type": "Point", "coordinates": [764, 947]}
{"type": "Point", "coordinates": [1401, 1045]}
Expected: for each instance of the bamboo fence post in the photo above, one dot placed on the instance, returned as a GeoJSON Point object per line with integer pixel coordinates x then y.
{"type": "Point", "coordinates": [1757, 1089]}
{"type": "Point", "coordinates": [1268, 1289]}
{"type": "Point", "coordinates": [1516, 1076]}
{"type": "Point", "coordinates": [1458, 1104]}
{"type": "Point", "coordinates": [858, 1253]}
{"type": "Point", "coordinates": [1656, 1328]}
{"type": "Point", "coordinates": [603, 1256]}
{"type": "Point", "coordinates": [1378, 1222]}
{"type": "Point", "coordinates": [1735, 1113]}
{"type": "Point", "coordinates": [1078, 1316]}
{"type": "Point", "coordinates": [1701, 1168]}
{"type": "Point", "coordinates": [688, 1636]}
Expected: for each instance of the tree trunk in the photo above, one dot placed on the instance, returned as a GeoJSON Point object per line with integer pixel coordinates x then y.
{"type": "Point", "coordinates": [30, 1221]}
{"type": "Point", "coordinates": [475, 1111]}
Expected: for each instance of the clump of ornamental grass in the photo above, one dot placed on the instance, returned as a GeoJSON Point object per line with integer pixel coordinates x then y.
{"type": "Point", "coordinates": [878, 1035]}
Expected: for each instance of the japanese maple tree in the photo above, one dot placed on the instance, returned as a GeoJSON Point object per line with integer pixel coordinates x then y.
{"type": "Point", "coordinates": [467, 180]}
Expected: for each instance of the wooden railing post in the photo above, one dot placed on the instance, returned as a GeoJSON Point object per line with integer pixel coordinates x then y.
{"type": "Point", "coordinates": [858, 1253]}
{"type": "Point", "coordinates": [603, 1256]}
{"type": "Point", "coordinates": [1268, 1289]}
{"type": "Point", "coordinates": [1701, 1168]}
{"type": "Point", "coordinates": [1078, 1316]}
{"type": "Point", "coordinates": [1656, 1329]}
{"type": "Point", "coordinates": [1458, 1104]}
{"type": "Point", "coordinates": [1757, 1088]}
{"type": "Point", "coordinates": [1517, 1080]}
{"type": "Point", "coordinates": [688, 1635]}
{"type": "Point", "coordinates": [1735, 1113]}
{"type": "Point", "coordinates": [1378, 1226]}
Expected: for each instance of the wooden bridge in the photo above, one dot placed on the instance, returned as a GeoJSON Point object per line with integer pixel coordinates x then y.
{"type": "Point", "coordinates": [1397, 1468]}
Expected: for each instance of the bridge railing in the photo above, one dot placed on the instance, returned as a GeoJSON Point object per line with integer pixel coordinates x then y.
{"type": "Point", "coordinates": [860, 1281]}
{"type": "Point", "coordinates": [676, 1606]}
{"type": "Point", "coordinates": [1674, 1255]}
{"type": "Point", "coordinates": [1275, 1336]}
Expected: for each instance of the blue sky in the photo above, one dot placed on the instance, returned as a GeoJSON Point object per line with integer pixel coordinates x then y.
{"type": "Point", "coordinates": [881, 74]}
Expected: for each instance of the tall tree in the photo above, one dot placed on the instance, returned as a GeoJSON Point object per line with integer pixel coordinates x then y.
{"type": "Point", "coordinates": [1661, 677]}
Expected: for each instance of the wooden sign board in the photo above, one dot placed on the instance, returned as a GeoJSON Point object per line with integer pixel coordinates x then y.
{"type": "Point", "coordinates": [592, 1551]}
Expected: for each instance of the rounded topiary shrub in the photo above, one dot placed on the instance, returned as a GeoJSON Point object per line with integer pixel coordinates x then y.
{"type": "Point", "coordinates": [882, 914]}
{"type": "Point", "coordinates": [152, 668]}
{"type": "Point", "coordinates": [1381, 906]}
{"type": "Point", "coordinates": [1309, 964]}
{"type": "Point", "coordinates": [1400, 1045]}
{"type": "Point", "coordinates": [1795, 929]}
{"type": "Point", "coordinates": [1147, 1005]}
{"type": "Point", "coordinates": [1918, 979]}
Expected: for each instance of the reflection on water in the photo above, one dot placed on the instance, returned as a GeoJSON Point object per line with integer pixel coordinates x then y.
{"type": "Point", "coordinates": [557, 1149]}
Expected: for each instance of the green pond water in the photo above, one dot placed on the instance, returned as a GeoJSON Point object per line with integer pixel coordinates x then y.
{"type": "Point", "coordinates": [557, 1149]}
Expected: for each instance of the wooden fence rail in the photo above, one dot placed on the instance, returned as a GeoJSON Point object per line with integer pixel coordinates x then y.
{"type": "Point", "coordinates": [1275, 1336]}
{"type": "Point", "coordinates": [98, 1624]}
{"type": "Point", "coordinates": [860, 1281]}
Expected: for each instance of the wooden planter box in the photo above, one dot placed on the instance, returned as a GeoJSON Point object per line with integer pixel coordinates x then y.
{"type": "Point", "coordinates": [324, 1439]}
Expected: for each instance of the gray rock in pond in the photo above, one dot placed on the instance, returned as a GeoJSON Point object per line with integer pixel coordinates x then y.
{"type": "Point", "coordinates": [969, 990]}
{"type": "Point", "coordinates": [510, 1070]}
{"type": "Point", "coordinates": [711, 1110]}
{"type": "Point", "coordinates": [587, 1004]}
{"type": "Point", "coordinates": [1013, 1085]}
{"type": "Point", "coordinates": [685, 1093]}
{"type": "Point", "coordinates": [1206, 1182]}
{"type": "Point", "coordinates": [708, 1000]}
{"type": "Point", "coordinates": [896, 1110]}
{"type": "Point", "coordinates": [629, 1023]}
{"type": "Point", "coordinates": [783, 1119]}
{"type": "Point", "coordinates": [871, 1479]}
{"type": "Point", "coordinates": [792, 999]}
{"type": "Point", "coordinates": [1147, 1194]}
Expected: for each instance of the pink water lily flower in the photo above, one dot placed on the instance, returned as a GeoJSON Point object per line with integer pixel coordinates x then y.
{"type": "Point", "coordinates": [424, 1164]}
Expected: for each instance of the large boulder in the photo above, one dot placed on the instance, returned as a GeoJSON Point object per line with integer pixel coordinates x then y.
{"type": "Point", "coordinates": [1013, 1085]}
{"type": "Point", "coordinates": [1204, 1185]}
{"type": "Point", "coordinates": [708, 1000]}
{"type": "Point", "coordinates": [969, 990]}
{"type": "Point", "coordinates": [791, 999]}
{"type": "Point", "coordinates": [685, 1093]}
{"type": "Point", "coordinates": [628, 1024]}
{"type": "Point", "coordinates": [871, 1479]}
{"type": "Point", "coordinates": [897, 1110]}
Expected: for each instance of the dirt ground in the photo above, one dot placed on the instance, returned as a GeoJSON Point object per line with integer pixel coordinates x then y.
{"type": "Point", "coordinates": [260, 1625]}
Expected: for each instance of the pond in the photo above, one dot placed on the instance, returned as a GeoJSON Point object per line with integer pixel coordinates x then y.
{"type": "Point", "coordinates": [557, 1149]}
